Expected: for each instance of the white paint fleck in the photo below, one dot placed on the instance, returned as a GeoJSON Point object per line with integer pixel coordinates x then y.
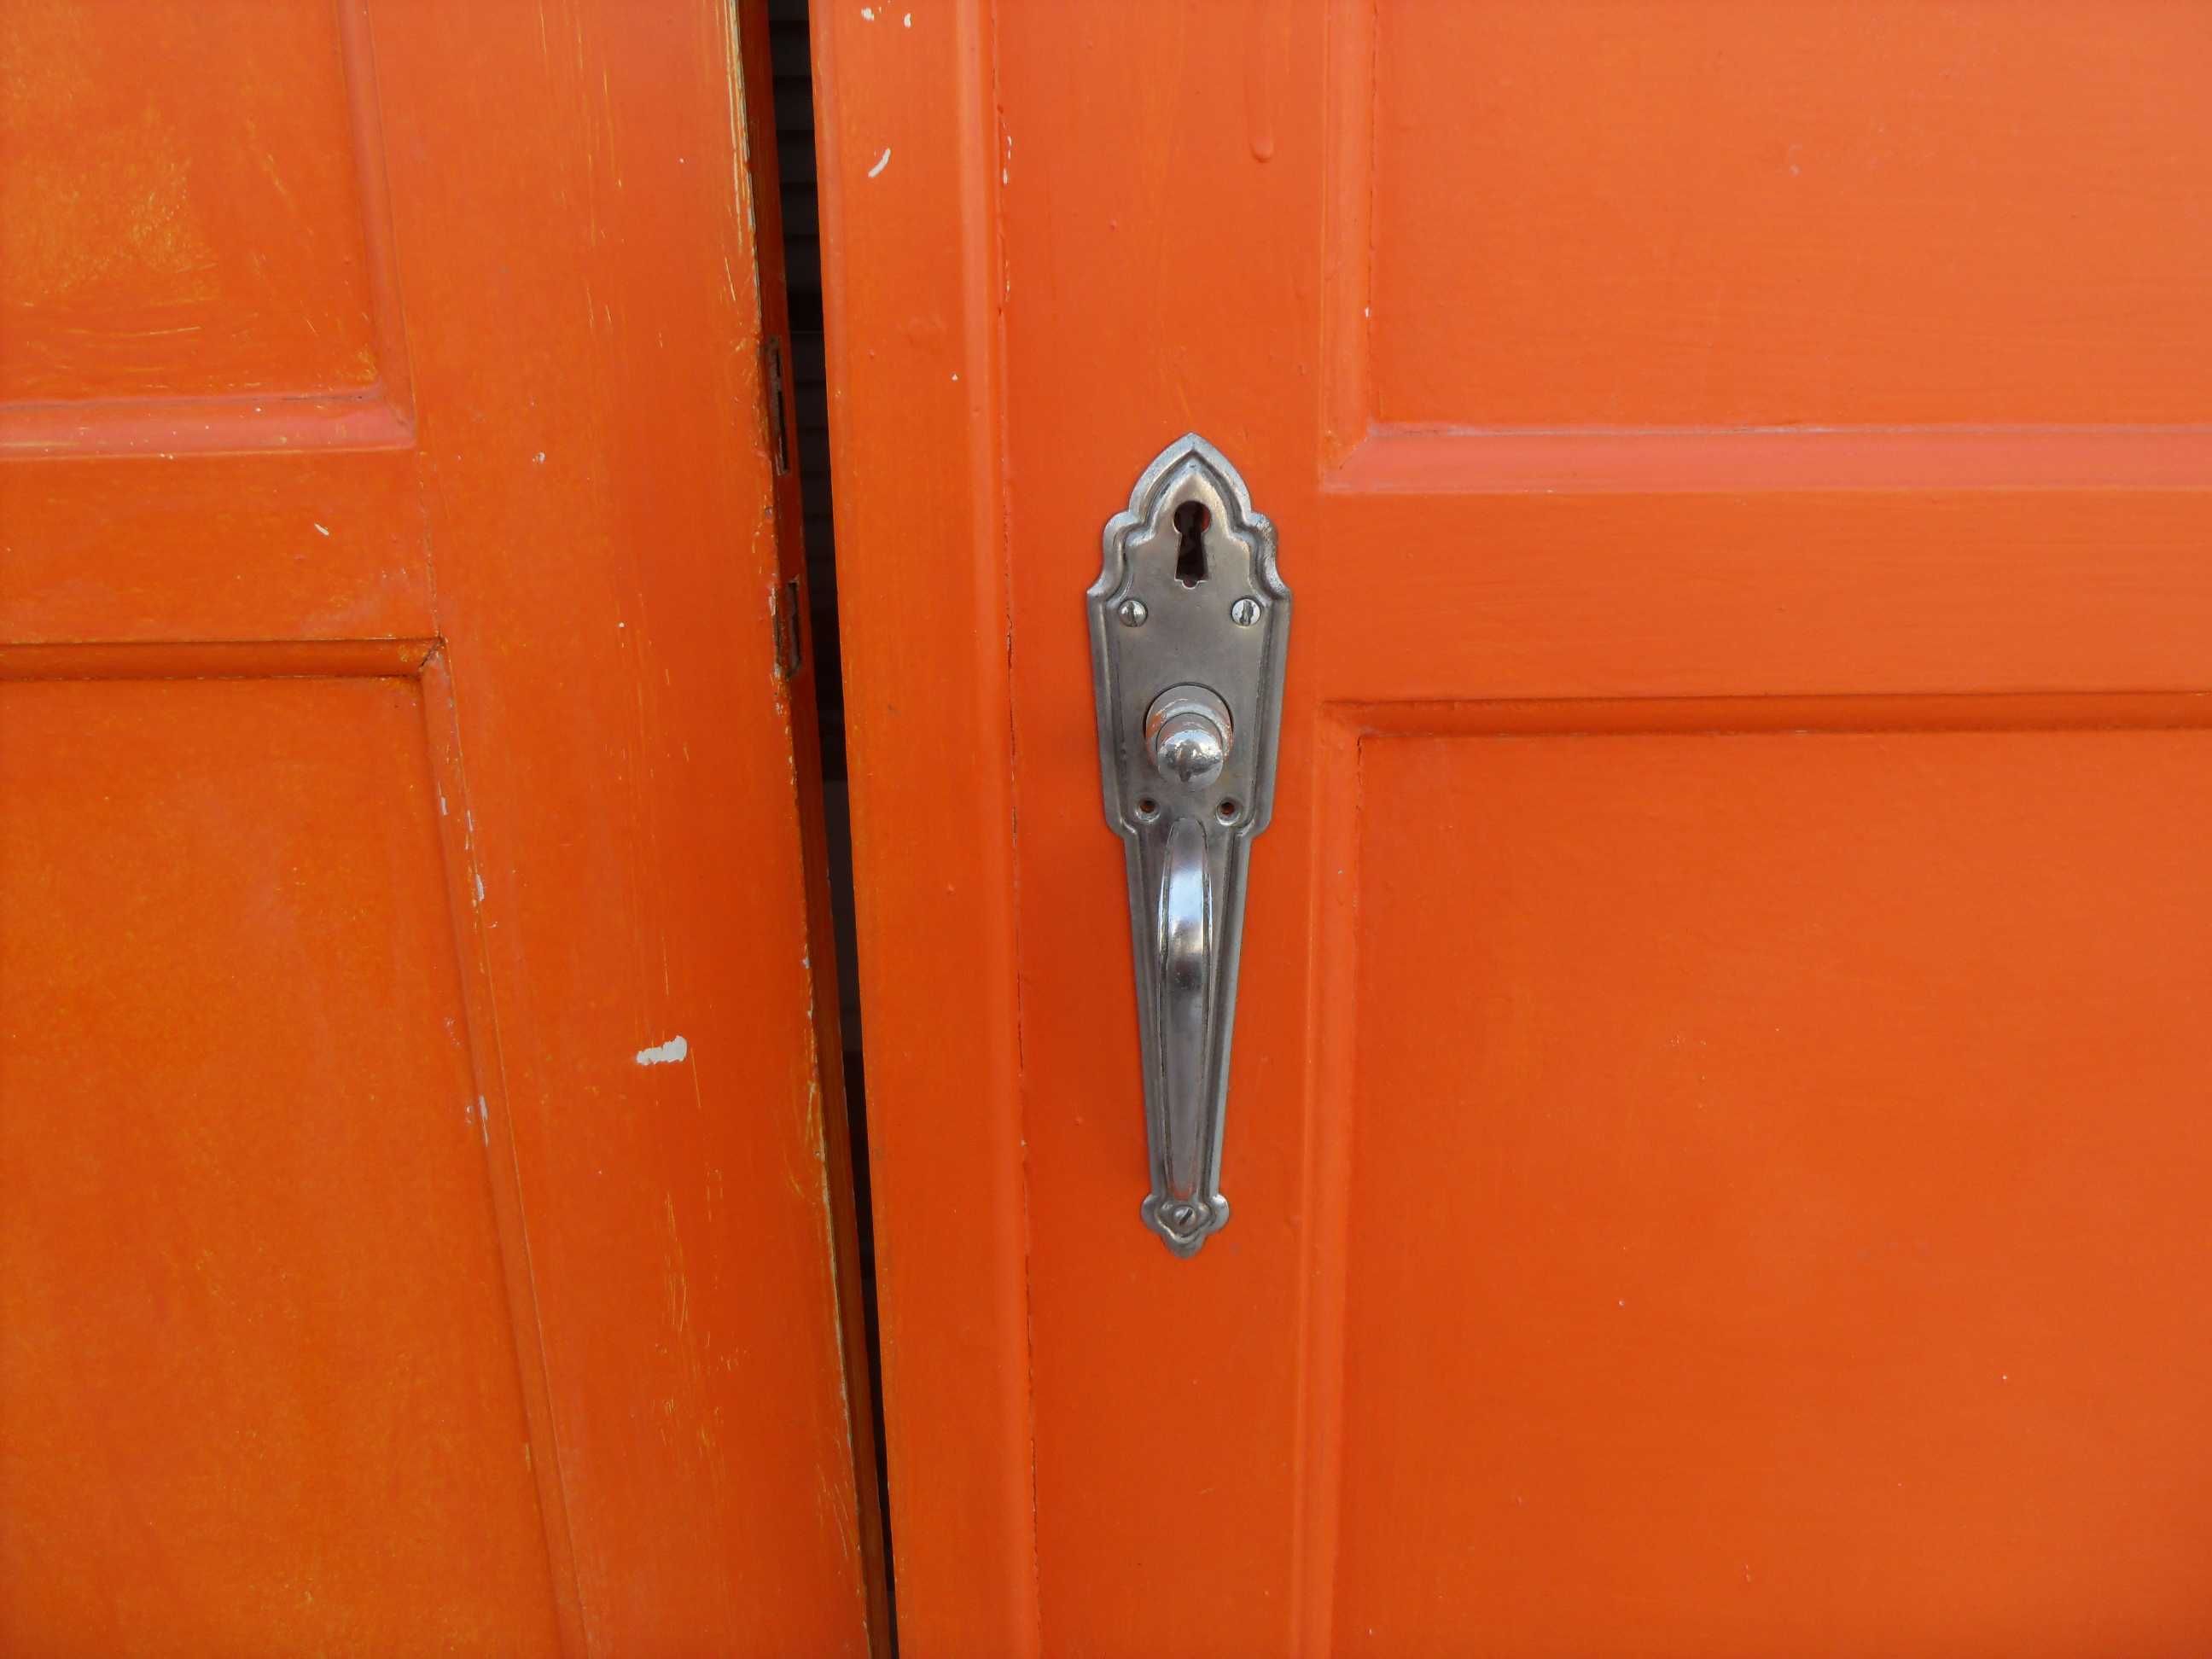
{"type": "Point", "coordinates": [956, 374]}
{"type": "Point", "coordinates": [479, 887]}
{"type": "Point", "coordinates": [869, 13]}
{"type": "Point", "coordinates": [320, 531]}
{"type": "Point", "coordinates": [671, 1053]}
{"type": "Point", "coordinates": [908, 19]}
{"type": "Point", "coordinates": [441, 803]}
{"type": "Point", "coordinates": [882, 161]}
{"type": "Point", "coordinates": [538, 460]}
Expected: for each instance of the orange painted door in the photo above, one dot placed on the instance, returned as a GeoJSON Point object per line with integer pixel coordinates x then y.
{"type": "Point", "coordinates": [420, 1184]}
{"type": "Point", "coordinates": [1717, 1129]}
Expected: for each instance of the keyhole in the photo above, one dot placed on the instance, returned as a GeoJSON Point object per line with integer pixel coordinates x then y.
{"type": "Point", "coordinates": [1191, 520]}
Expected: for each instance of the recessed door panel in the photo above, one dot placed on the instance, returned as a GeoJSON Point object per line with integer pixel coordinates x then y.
{"type": "Point", "coordinates": [214, 226]}
{"type": "Point", "coordinates": [261, 1372]}
{"type": "Point", "coordinates": [1780, 1254]}
{"type": "Point", "coordinates": [1811, 214]}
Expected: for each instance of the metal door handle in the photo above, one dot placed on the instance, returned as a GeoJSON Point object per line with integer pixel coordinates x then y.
{"type": "Point", "coordinates": [1188, 622]}
{"type": "Point", "coordinates": [1185, 933]}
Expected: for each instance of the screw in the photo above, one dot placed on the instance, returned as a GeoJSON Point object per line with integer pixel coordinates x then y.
{"type": "Point", "coordinates": [1244, 612]}
{"type": "Point", "coordinates": [1132, 613]}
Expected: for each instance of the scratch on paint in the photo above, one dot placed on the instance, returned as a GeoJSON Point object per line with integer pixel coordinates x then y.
{"type": "Point", "coordinates": [882, 161]}
{"type": "Point", "coordinates": [671, 1053]}
{"type": "Point", "coordinates": [679, 1286]}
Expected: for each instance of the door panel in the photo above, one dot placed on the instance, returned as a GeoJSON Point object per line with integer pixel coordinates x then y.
{"type": "Point", "coordinates": [198, 230]}
{"type": "Point", "coordinates": [1717, 1018]}
{"type": "Point", "coordinates": [424, 1204]}
{"type": "Point", "coordinates": [248, 1231]}
{"type": "Point", "coordinates": [1775, 1319]}
{"type": "Point", "coordinates": [1883, 213]}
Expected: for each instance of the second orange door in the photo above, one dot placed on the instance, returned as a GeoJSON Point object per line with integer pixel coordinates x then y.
{"type": "Point", "coordinates": [1716, 1128]}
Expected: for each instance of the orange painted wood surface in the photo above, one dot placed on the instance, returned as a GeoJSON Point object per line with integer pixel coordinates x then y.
{"type": "Point", "coordinates": [423, 1205]}
{"type": "Point", "coordinates": [908, 277]}
{"type": "Point", "coordinates": [1715, 1129]}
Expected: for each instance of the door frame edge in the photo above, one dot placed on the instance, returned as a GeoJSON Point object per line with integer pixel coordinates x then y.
{"type": "Point", "coordinates": [908, 142]}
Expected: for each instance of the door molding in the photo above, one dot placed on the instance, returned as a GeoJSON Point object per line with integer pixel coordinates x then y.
{"type": "Point", "coordinates": [912, 161]}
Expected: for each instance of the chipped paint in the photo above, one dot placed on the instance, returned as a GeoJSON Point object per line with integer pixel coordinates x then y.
{"type": "Point", "coordinates": [671, 1053]}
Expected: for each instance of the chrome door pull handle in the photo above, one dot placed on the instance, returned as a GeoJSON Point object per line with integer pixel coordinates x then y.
{"type": "Point", "coordinates": [1186, 948]}
{"type": "Point", "coordinates": [1188, 624]}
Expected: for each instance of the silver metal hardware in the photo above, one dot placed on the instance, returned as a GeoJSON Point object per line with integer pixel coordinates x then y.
{"type": "Point", "coordinates": [1187, 732]}
{"type": "Point", "coordinates": [1190, 698]}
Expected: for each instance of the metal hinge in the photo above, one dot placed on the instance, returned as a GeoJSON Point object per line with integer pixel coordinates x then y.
{"type": "Point", "coordinates": [784, 617]}
{"type": "Point", "coordinates": [772, 380]}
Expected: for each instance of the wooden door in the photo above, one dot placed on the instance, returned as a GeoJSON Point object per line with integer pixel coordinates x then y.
{"type": "Point", "coordinates": [1717, 1129]}
{"type": "Point", "coordinates": [420, 1184]}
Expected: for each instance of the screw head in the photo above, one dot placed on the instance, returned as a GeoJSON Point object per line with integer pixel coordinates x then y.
{"type": "Point", "coordinates": [1132, 613]}
{"type": "Point", "coordinates": [1244, 612]}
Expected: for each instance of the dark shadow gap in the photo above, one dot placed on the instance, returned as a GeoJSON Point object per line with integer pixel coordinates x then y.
{"type": "Point", "coordinates": [792, 56]}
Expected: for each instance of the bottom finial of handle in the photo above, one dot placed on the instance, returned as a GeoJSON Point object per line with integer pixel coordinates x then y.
{"type": "Point", "coordinates": [1184, 1223]}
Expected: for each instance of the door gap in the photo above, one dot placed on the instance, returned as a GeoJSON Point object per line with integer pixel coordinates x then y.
{"type": "Point", "coordinates": [790, 49]}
